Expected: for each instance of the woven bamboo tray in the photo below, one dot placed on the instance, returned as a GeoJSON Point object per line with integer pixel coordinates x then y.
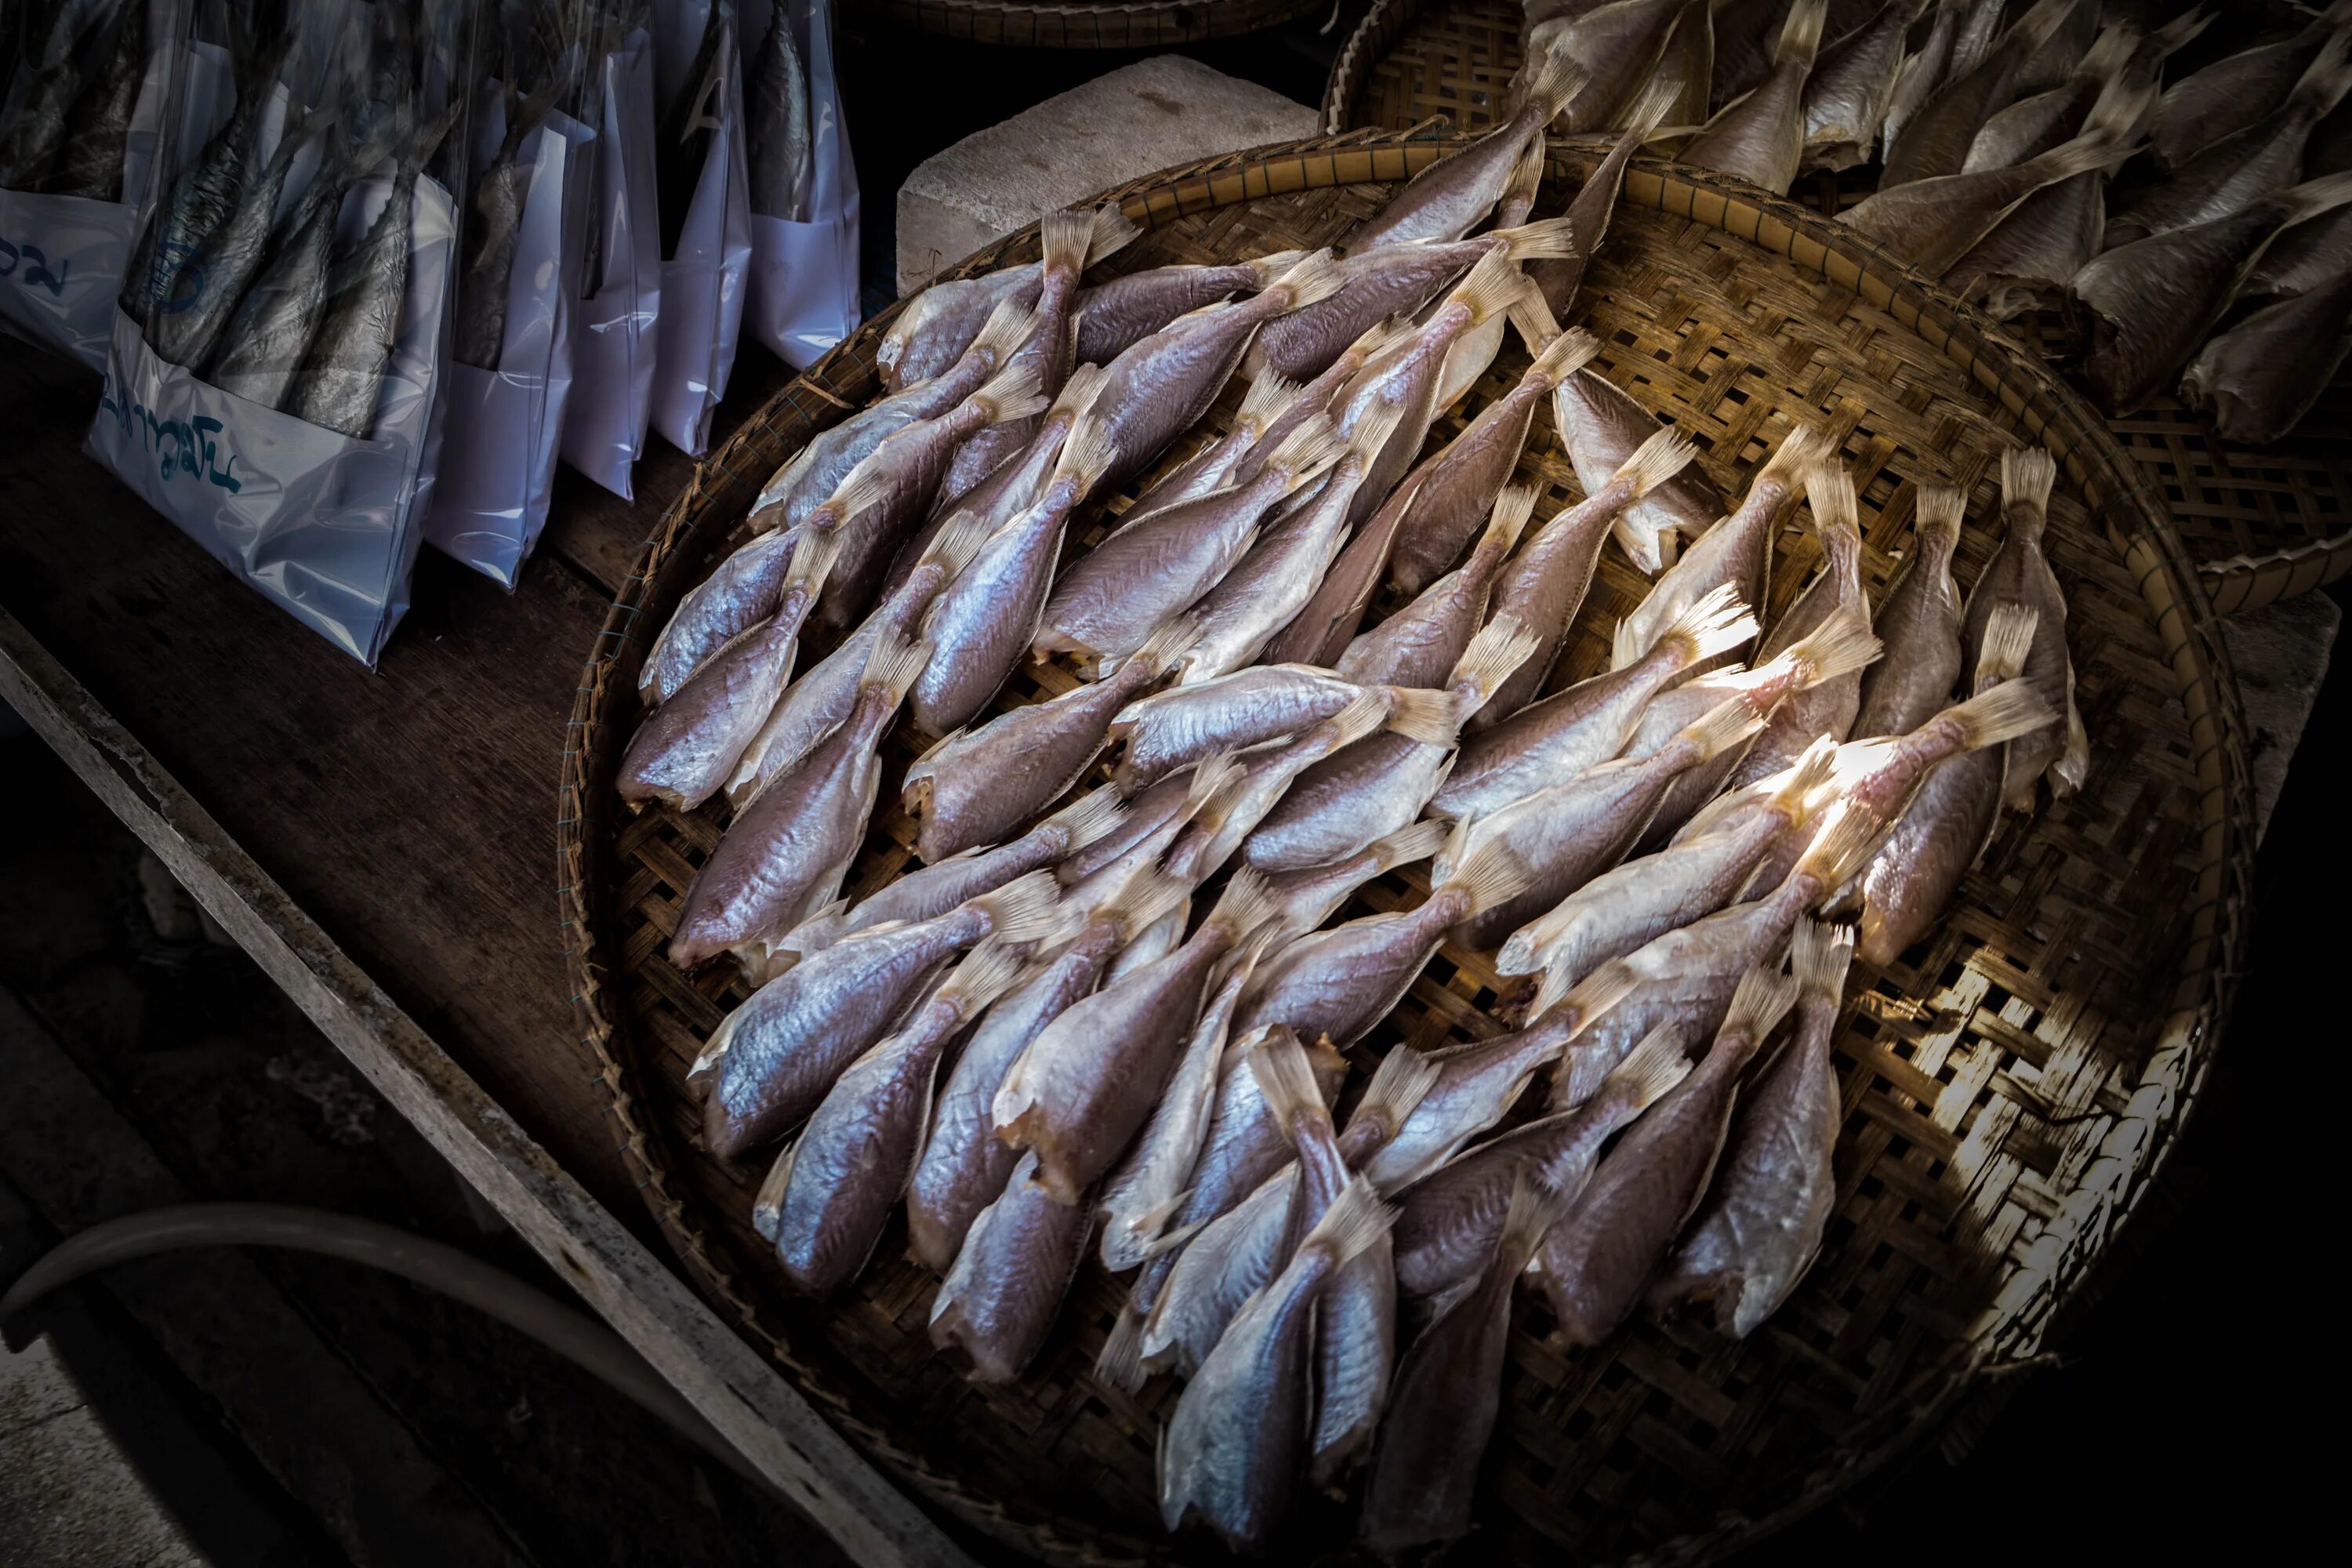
{"type": "Point", "coordinates": [1074, 25]}
{"type": "Point", "coordinates": [2263, 523]}
{"type": "Point", "coordinates": [2011, 1087]}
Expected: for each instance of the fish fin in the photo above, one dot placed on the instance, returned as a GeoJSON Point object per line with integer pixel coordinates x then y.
{"type": "Point", "coordinates": [1526, 179]}
{"type": "Point", "coordinates": [2003, 713]}
{"type": "Point", "coordinates": [1533, 319]}
{"type": "Point", "coordinates": [1279, 1064]}
{"type": "Point", "coordinates": [1819, 955]}
{"type": "Point", "coordinates": [1306, 451]}
{"type": "Point", "coordinates": [1830, 495]}
{"type": "Point", "coordinates": [2027, 474]}
{"type": "Point", "coordinates": [1008, 326]}
{"type": "Point", "coordinates": [2312, 197]}
{"type": "Point", "coordinates": [1715, 622]}
{"type": "Point", "coordinates": [1316, 276]}
{"type": "Point", "coordinates": [1941, 511]}
{"type": "Point", "coordinates": [1726, 725]}
{"type": "Point", "coordinates": [986, 974]}
{"type": "Point", "coordinates": [1025, 910]}
{"type": "Point", "coordinates": [894, 662]}
{"type": "Point", "coordinates": [1087, 455]}
{"type": "Point", "coordinates": [1761, 1000]}
{"type": "Point", "coordinates": [1658, 458]}
{"type": "Point", "coordinates": [768, 1204]}
{"type": "Point", "coordinates": [1077, 393]}
{"type": "Point", "coordinates": [1565, 355]}
{"type": "Point", "coordinates": [1211, 781]}
{"type": "Point", "coordinates": [1407, 844]}
{"type": "Point", "coordinates": [1839, 646]}
{"type": "Point", "coordinates": [1491, 289]}
{"type": "Point", "coordinates": [1112, 231]}
{"type": "Point", "coordinates": [1650, 1069]}
{"type": "Point", "coordinates": [1093, 815]}
{"type": "Point", "coordinates": [1364, 712]}
{"type": "Point", "coordinates": [1535, 1205]}
{"type": "Point", "coordinates": [1501, 646]}
{"type": "Point", "coordinates": [1357, 1221]}
{"type": "Point", "coordinates": [2177, 34]}
{"type": "Point", "coordinates": [1590, 999]}
{"type": "Point", "coordinates": [1166, 644]}
{"type": "Point", "coordinates": [2110, 133]}
{"type": "Point", "coordinates": [1119, 1362]}
{"type": "Point", "coordinates": [2323, 83]}
{"type": "Point", "coordinates": [1846, 839]}
{"type": "Point", "coordinates": [1374, 430]}
{"type": "Point", "coordinates": [1269, 268]}
{"type": "Point", "coordinates": [1805, 447]}
{"type": "Point", "coordinates": [1399, 1084]}
{"type": "Point", "coordinates": [1065, 239]}
{"type": "Point", "coordinates": [1513, 504]}
{"type": "Point", "coordinates": [1372, 339]}
{"type": "Point", "coordinates": [2109, 53]}
{"type": "Point", "coordinates": [1546, 240]}
{"type": "Point", "coordinates": [1801, 35]}
{"type": "Point", "coordinates": [2036, 26]}
{"type": "Point", "coordinates": [1493, 878]}
{"type": "Point", "coordinates": [2009, 638]}
{"type": "Point", "coordinates": [1268, 395]}
{"type": "Point", "coordinates": [812, 561]}
{"type": "Point", "coordinates": [1656, 100]}
{"type": "Point", "coordinates": [1248, 902]}
{"type": "Point", "coordinates": [1546, 81]}
{"type": "Point", "coordinates": [1144, 901]}
{"type": "Point", "coordinates": [1432, 717]}
{"type": "Point", "coordinates": [1015, 392]}
{"type": "Point", "coordinates": [1814, 769]}
{"type": "Point", "coordinates": [958, 541]}
{"type": "Point", "coordinates": [865, 486]}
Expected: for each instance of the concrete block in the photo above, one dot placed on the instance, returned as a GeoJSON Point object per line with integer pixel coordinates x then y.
{"type": "Point", "coordinates": [1136, 121]}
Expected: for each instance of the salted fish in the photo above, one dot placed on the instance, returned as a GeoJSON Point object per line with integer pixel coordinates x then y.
{"type": "Point", "coordinates": [1917, 625]}
{"type": "Point", "coordinates": [2019, 573]}
{"type": "Point", "coordinates": [1760, 137]}
{"type": "Point", "coordinates": [1935, 142]}
{"type": "Point", "coordinates": [937, 327]}
{"type": "Point", "coordinates": [1420, 641]}
{"type": "Point", "coordinates": [2237, 91]}
{"type": "Point", "coordinates": [1601, 425]}
{"type": "Point", "coordinates": [1449, 198]}
{"type": "Point", "coordinates": [1117, 315]}
{"type": "Point", "coordinates": [2262, 377]}
{"type": "Point", "coordinates": [1836, 592]}
{"type": "Point", "coordinates": [1588, 211]}
{"type": "Point", "coordinates": [1853, 80]}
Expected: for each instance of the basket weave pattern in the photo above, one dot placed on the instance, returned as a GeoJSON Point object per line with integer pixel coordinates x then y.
{"type": "Point", "coordinates": [2263, 523]}
{"type": "Point", "coordinates": [2010, 1088]}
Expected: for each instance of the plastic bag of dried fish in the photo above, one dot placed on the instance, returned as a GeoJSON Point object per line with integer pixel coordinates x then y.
{"type": "Point", "coordinates": [77, 142]}
{"type": "Point", "coordinates": [616, 315]}
{"type": "Point", "coordinates": [804, 287]}
{"type": "Point", "coordinates": [705, 201]}
{"type": "Point", "coordinates": [273, 381]}
{"type": "Point", "coordinates": [510, 375]}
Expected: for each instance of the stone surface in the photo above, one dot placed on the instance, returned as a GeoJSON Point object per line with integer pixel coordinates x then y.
{"type": "Point", "coordinates": [1136, 121]}
{"type": "Point", "coordinates": [2281, 653]}
{"type": "Point", "coordinates": [68, 1494]}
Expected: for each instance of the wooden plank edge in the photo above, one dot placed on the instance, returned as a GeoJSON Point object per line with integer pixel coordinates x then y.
{"type": "Point", "coordinates": [735, 1389]}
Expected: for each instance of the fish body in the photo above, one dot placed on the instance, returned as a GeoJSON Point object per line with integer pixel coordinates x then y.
{"type": "Point", "coordinates": [1927, 68]}
{"type": "Point", "coordinates": [1760, 137]}
{"type": "Point", "coordinates": [1447, 199]}
{"type": "Point", "coordinates": [1846, 97]}
{"type": "Point", "coordinates": [2235, 93]}
{"type": "Point", "coordinates": [1421, 641]}
{"type": "Point", "coordinates": [342, 374]}
{"type": "Point", "coordinates": [1917, 626]}
{"type": "Point", "coordinates": [2037, 122]}
{"type": "Point", "coordinates": [2028, 258]}
{"type": "Point", "coordinates": [228, 257]}
{"type": "Point", "coordinates": [1601, 426]}
{"type": "Point", "coordinates": [1117, 315]}
{"type": "Point", "coordinates": [1000, 1298]}
{"type": "Point", "coordinates": [1935, 142]}
{"type": "Point", "coordinates": [2019, 573]}
{"type": "Point", "coordinates": [1385, 281]}
{"type": "Point", "coordinates": [938, 326]}
{"type": "Point", "coordinates": [2261, 377]}
{"type": "Point", "coordinates": [1188, 724]}
{"type": "Point", "coordinates": [268, 337]}
{"type": "Point", "coordinates": [737, 595]}
{"type": "Point", "coordinates": [777, 104]}
{"type": "Point", "coordinates": [1944, 829]}
{"type": "Point", "coordinates": [34, 132]}
{"type": "Point", "coordinates": [1823, 707]}
{"type": "Point", "coordinates": [2305, 256]}
{"type": "Point", "coordinates": [1589, 210]}
{"type": "Point", "coordinates": [1615, 46]}
{"type": "Point", "coordinates": [1272, 583]}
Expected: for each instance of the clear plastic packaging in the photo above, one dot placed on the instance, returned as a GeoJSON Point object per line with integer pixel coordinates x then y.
{"type": "Point", "coordinates": [699, 80]}
{"type": "Point", "coordinates": [616, 315]}
{"type": "Point", "coordinates": [804, 267]}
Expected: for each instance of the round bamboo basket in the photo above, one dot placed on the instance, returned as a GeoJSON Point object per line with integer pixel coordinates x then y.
{"type": "Point", "coordinates": [2011, 1087]}
{"type": "Point", "coordinates": [1108, 25]}
{"type": "Point", "coordinates": [2263, 523]}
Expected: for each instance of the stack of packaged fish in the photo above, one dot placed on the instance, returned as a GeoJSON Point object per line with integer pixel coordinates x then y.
{"type": "Point", "coordinates": [1066, 1017]}
{"type": "Point", "coordinates": [84, 94]}
{"type": "Point", "coordinates": [2033, 156]}
{"type": "Point", "coordinates": [274, 375]}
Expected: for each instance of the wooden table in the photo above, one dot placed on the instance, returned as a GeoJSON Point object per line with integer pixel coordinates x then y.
{"type": "Point", "coordinates": [382, 842]}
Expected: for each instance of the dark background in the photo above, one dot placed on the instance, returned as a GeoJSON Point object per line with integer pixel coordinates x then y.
{"type": "Point", "coordinates": [2166, 1427]}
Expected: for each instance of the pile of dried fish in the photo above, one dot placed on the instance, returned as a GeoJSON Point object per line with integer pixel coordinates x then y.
{"type": "Point", "coordinates": [68, 105]}
{"type": "Point", "coordinates": [1063, 1016]}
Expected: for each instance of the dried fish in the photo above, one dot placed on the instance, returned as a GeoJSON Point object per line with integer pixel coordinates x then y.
{"type": "Point", "coordinates": [2151, 302]}
{"type": "Point", "coordinates": [2032, 126]}
{"type": "Point", "coordinates": [1918, 625]}
{"type": "Point", "coordinates": [1846, 97]}
{"type": "Point", "coordinates": [1824, 707]}
{"type": "Point", "coordinates": [1420, 641]}
{"type": "Point", "coordinates": [2237, 92]}
{"type": "Point", "coordinates": [1596, 1260]}
{"type": "Point", "coordinates": [228, 257]}
{"type": "Point", "coordinates": [34, 131]}
{"type": "Point", "coordinates": [1000, 1297]}
{"type": "Point", "coordinates": [1760, 137]}
{"type": "Point", "coordinates": [1211, 467]}
{"type": "Point", "coordinates": [1616, 46]}
{"type": "Point", "coordinates": [2027, 260]}
{"type": "Point", "coordinates": [1117, 315]}
{"type": "Point", "coordinates": [1935, 142]}
{"type": "Point", "coordinates": [2062, 53]}
{"type": "Point", "coordinates": [1588, 212]}
{"type": "Point", "coordinates": [776, 102]}
{"type": "Point", "coordinates": [98, 127]}
{"type": "Point", "coordinates": [1745, 34]}
{"type": "Point", "coordinates": [1928, 68]}
{"type": "Point", "coordinates": [2019, 573]}
{"type": "Point", "coordinates": [2261, 377]}
{"type": "Point", "coordinates": [1452, 196]}
{"type": "Point", "coordinates": [2305, 256]}
{"type": "Point", "coordinates": [1601, 425]}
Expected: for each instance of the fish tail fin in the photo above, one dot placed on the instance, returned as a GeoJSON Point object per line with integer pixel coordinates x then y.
{"type": "Point", "coordinates": [2027, 474]}
{"type": "Point", "coordinates": [2002, 714]}
{"type": "Point", "coordinates": [1364, 712]}
{"type": "Point", "coordinates": [1839, 646]}
{"type": "Point", "coordinates": [1546, 240]}
{"type": "Point", "coordinates": [1715, 622]}
{"type": "Point", "coordinates": [1168, 643]}
{"type": "Point", "coordinates": [1525, 178]}
{"type": "Point", "coordinates": [1535, 1208]}
{"type": "Point", "coordinates": [814, 556]}
{"type": "Point", "coordinates": [1087, 456]}
{"type": "Point", "coordinates": [1836, 509]}
{"type": "Point", "coordinates": [1803, 450]}
{"type": "Point", "coordinates": [1762, 999]}
{"type": "Point", "coordinates": [958, 541]}
{"type": "Point", "coordinates": [1211, 781]}
{"type": "Point", "coordinates": [1546, 81]}
{"type": "Point", "coordinates": [1847, 837]}
{"type": "Point", "coordinates": [1564, 356]}
{"type": "Point", "coordinates": [2312, 197]}
{"type": "Point", "coordinates": [2177, 34]}
{"type": "Point", "coordinates": [1268, 395]}
{"type": "Point", "coordinates": [1654, 103]}
{"type": "Point", "coordinates": [2009, 637]}
{"type": "Point", "coordinates": [1801, 35]}
{"type": "Point", "coordinates": [1248, 902]}
{"type": "Point", "coordinates": [1432, 717]}
{"type": "Point", "coordinates": [1492, 288]}
{"type": "Point", "coordinates": [1407, 844]}
{"type": "Point", "coordinates": [1659, 457]}
{"type": "Point", "coordinates": [2036, 26]}
{"type": "Point", "coordinates": [866, 485]}
{"type": "Point", "coordinates": [1144, 901]}
{"type": "Point", "coordinates": [1494, 876]}
{"type": "Point", "coordinates": [767, 1203]}
{"type": "Point", "coordinates": [1307, 451]}
{"type": "Point", "coordinates": [1015, 392]}
{"type": "Point", "coordinates": [2323, 83]}
{"type": "Point", "coordinates": [1268, 269]}
{"type": "Point", "coordinates": [1590, 998]}
{"type": "Point", "coordinates": [1501, 646]}
{"type": "Point", "coordinates": [1294, 1101]}
{"type": "Point", "coordinates": [1065, 238]}
{"type": "Point", "coordinates": [1119, 1362]}
{"type": "Point", "coordinates": [2110, 133]}
{"type": "Point", "coordinates": [1942, 509]}
{"type": "Point", "coordinates": [1077, 393]}
{"type": "Point", "coordinates": [986, 974]}
{"type": "Point", "coordinates": [1728, 724]}
{"type": "Point", "coordinates": [1372, 339]}
{"type": "Point", "coordinates": [896, 661]}
{"type": "Point", "coordinates": [1316, 276]}
{"type": "Point", "coordinates": [1027, 909]}
{"type": "Point", "coordinates": [1649, 1070]}
{"type": "Point", "coordinates": [1111, 232]}
{"type": "Point", "coordinates": [1803, 782]}
{"type": "Point", "coordinates": [1357, 1221]}
{"type": "Point", "coordinates": [1399, 1083]}
{"type": "Point", "coordinates": [1374, 430]}
{"type": "Point", "coordinates": [2110, 52]}
{"type": "Point", "coordinates": [1513, 504]}
{"type": "Point", "coordinates": [1819, 955]}
{"type": "Point", "coordinates": [1093, 815]}
{"type": "Point", "coordinates": [1008, 326]}
{"type": "Point", "coordinates": [1532, 319]}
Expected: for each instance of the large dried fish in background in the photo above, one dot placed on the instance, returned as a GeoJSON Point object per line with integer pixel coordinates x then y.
{"type": "Point", "coordinates": [34, 132]}
{"type": "Point", "coordinates": [2033, 125]}
{"type": "Point", "coordinates": [1760, 137]}
{"type": "Point", "coordinates": [2150, 302]}
{"type": "Point", "coordinates": [1616, 46]}
{"type": "Point", "coordinates": [1452, 196]}
{"type": "Point", "coordinates": [1588, 213]}
{"type": "Point", "coordinates": [1935, 142]}
{"type": "Point", "coordinates": [776, 102]}
{"type": "Point", "coordinates": [1927, 68]}
{"type": "Point", "coordinates": [2237, 92]}
{"type": "Point", "coordinates": [2261, 377]}
{"type": "Point", "coordinates": [227, 258]}
{"type": "Point", "coordinates": [1773, 1188]}
{"type": "Point", "coordinates": [98, 125]}
{"type": "Point", "coordinates": [1847, 94]}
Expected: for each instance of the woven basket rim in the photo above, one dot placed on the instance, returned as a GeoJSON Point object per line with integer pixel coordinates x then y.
{"type": "Point", "coordinates": [2032, 1304]}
